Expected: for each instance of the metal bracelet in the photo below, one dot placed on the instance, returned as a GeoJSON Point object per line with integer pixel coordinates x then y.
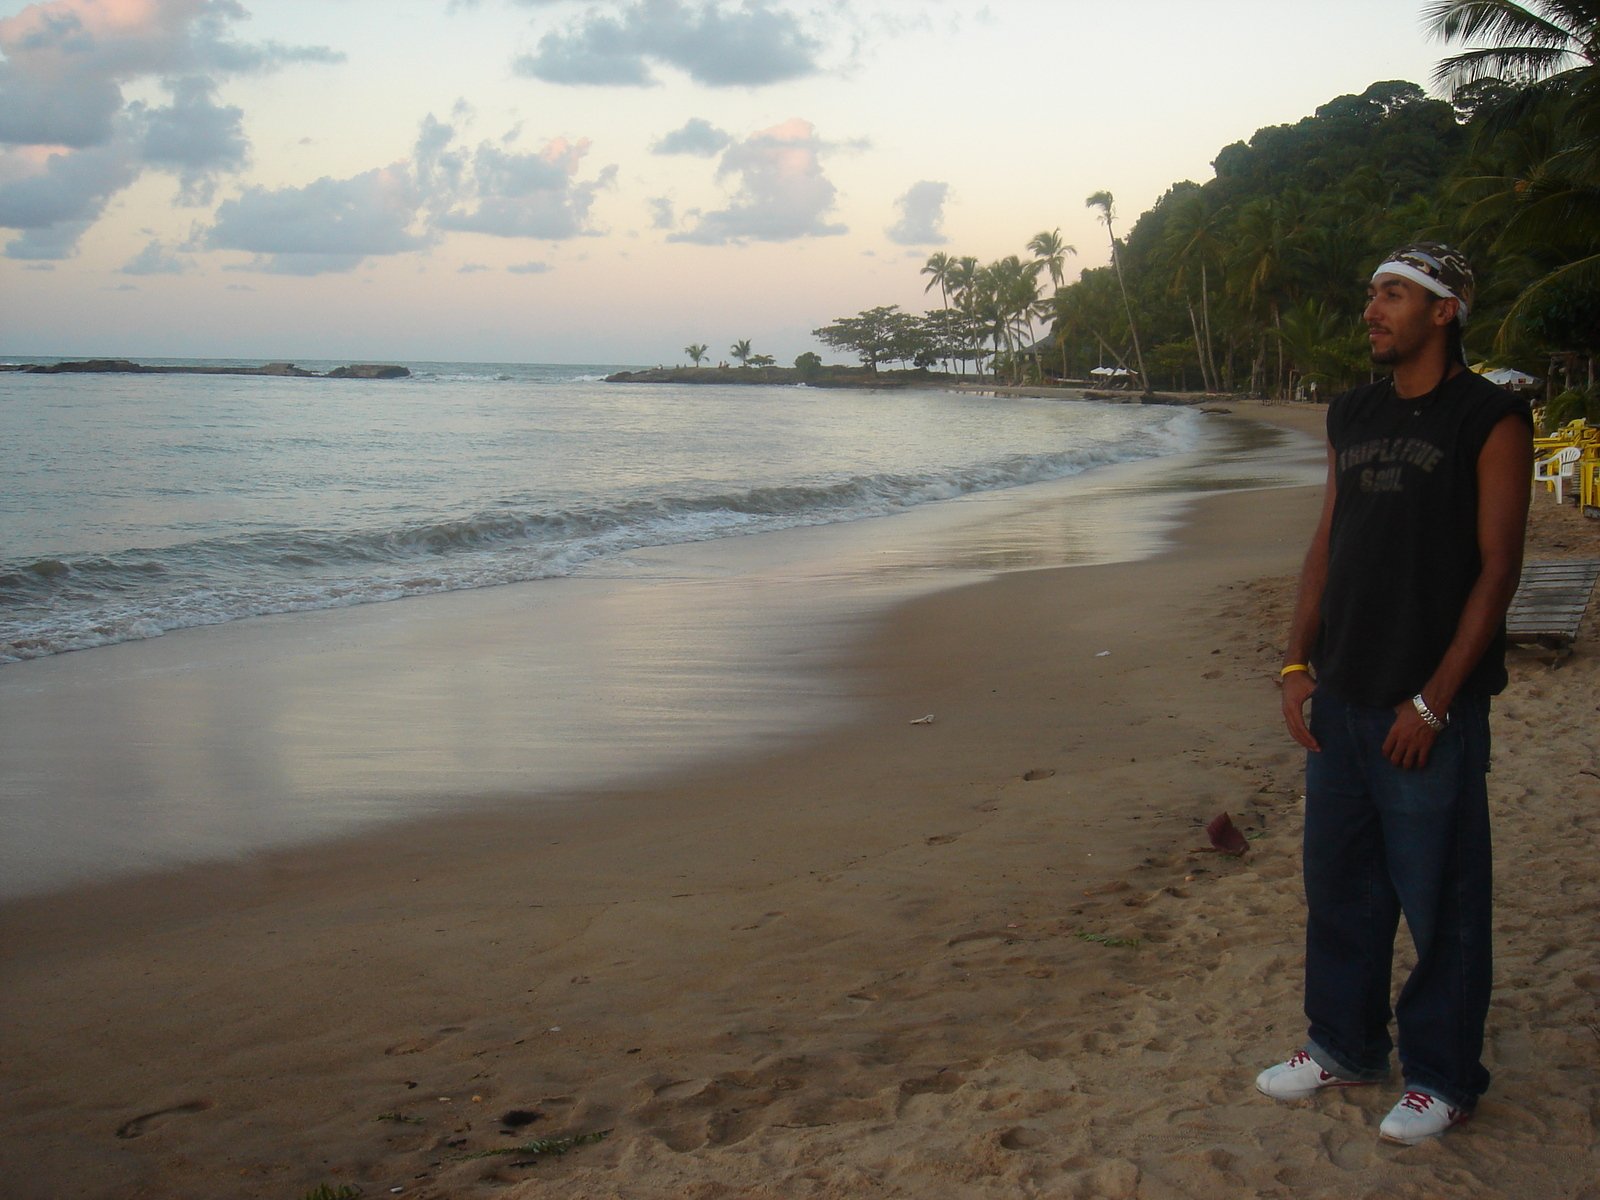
{"type": "Point", "coordinates": [1429, 719]}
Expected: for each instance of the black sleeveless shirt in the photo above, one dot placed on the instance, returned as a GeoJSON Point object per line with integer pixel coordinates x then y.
{"type": "Point", "coordinates": [1403, 547]}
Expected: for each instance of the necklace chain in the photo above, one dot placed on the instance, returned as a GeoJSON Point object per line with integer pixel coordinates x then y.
{"type": "Point", "coordinates": [1418, 403]}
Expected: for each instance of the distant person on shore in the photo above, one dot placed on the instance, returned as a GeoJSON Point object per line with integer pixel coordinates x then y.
{"type": "Point", "coordinates": [1398, 642]}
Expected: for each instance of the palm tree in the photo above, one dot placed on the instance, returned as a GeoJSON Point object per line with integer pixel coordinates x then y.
{"type": "Point", "coordinates": [1553, 43]}
{"type": "Point", "coordinates": [1018, 295]}
{"type": "Point", "coordinates": [964, 283]}
{"type": "Point", "coordinates": [741, 351]}
{"type": "Point", "coordinates": [1194, 238]}
{"type": "Point", "coordinates": [696, 352]}
{"type": "Point", "coordinates": [1104, 202]}
{"type": "Point", "coordinates": [1260, 269]}
{"type": "Point", "coordinates": [1051, 252]}
{"type": "Point", "coordinates": [1555, 46]}
{"type": "Point", "coordinates": [940, 266]}
{"type": "Point", "coordinates": [1323, 345]}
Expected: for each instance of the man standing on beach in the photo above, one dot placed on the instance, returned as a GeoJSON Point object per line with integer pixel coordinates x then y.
{"type": "Point", "coordinates": [1401, 617]}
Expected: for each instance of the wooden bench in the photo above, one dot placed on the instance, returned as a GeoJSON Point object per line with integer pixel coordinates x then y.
{"type": "Point", "coordinates": [1550, 602]}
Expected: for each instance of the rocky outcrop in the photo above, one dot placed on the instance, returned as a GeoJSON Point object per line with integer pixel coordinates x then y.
{"type": "Point", "coordinates": [368, 371]}
{"type": "Point", "coordinates": [121, 366]}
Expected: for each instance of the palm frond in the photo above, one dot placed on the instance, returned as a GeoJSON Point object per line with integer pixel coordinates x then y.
{"type": "Point", "coordinates": [1583, 271]}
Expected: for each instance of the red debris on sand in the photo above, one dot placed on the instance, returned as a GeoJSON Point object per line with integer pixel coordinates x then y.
{"type": "Point", "coordinates": [1225, 835]}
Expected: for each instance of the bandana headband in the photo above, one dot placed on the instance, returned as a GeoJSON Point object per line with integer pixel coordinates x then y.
{"type": "Point", "coordinates": [1425, 271]}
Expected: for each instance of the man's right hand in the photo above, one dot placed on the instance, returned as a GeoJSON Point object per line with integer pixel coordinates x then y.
{"type": "Point", "coordinates": [1298, 687]}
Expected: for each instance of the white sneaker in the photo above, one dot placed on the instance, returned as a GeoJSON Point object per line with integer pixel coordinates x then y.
{"type": "Point", "coordinates": [1418, 1117]}
{"type": "Point", "coordinates": [1300, 1077]}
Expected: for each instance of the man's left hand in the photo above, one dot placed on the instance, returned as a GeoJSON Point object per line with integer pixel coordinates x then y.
{"type": "Point", "coordinates": [1410, 738]}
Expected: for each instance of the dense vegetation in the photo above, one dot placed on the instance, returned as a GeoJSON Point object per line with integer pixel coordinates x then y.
{"type": "Point", "coordinates": [1254, 280]}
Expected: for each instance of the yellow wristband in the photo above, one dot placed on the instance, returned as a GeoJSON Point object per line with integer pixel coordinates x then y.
{"type": "Point", "coordinates": [1292, 668]}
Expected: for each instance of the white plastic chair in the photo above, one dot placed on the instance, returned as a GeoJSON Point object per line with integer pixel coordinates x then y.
{"type": "Point", "coordinates": [1558, 467]}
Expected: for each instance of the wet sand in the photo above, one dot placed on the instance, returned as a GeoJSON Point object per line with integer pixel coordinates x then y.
{"type": "Point", "coordinates": [986, 955]}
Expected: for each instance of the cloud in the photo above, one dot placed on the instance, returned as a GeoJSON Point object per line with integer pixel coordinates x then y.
{"type": "Point", "coordinates": [921, 217]}
{"type": "Point", "coordinates": [53, 197]}
{"type": "Point", "coordinates": [471, 268]}
{"type": "Point", "coordinates": [293, 262]}
{"type": "Point", "coordinates": [53, 242]}
{"type": "Point", "coordinates": [529, 268]}
{"type": "Point", "coordinates": [529, 195]}
{"type": "Point", "coordinates": [748, 46]}
{"type": "Point", "coordinates": [156, 259]}
{"type": "Point", "coordinates": [782, 192]}
{"type": "Point", "coordinates": [194, 137]}
{"type": "Point", "coordinates": [697, 136]}
{"type": "Point", "coordinates": [61, 90]}
{"type": "Point", "coordinates": [66, 61]}
{"type": "Point", "coordinates": [336, 224]}
{"type": "Point", "coordinates": [327, 225]}
{"type": "Point", "coordinates": [661, 213]}
{"type": "Point", "coordinates": [439, 170]}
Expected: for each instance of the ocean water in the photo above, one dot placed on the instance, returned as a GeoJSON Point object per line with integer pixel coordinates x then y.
{"type": "Point", "coordinates": [135, 505]}
{"type": "Point", "coordinates": [690, 572]}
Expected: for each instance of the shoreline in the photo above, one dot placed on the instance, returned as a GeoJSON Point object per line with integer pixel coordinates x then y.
{"type": "Point", "coordinates": [884, 960]}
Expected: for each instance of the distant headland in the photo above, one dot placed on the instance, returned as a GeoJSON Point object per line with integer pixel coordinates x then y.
{"type": "Point", "coordinates": [817, 376]}
{"type": "Point", "coordinates": [121, 366]}
{"type": "Point", "coordinates": [861, 377]}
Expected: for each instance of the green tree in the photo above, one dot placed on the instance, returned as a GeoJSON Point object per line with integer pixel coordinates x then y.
{"type": "Point", "coordinates": [1321, 345]}
{"type": "Point", "coordinates": [1548, 206]}
{"type": "Point", "coordinates": [1104, 203]}
{"type": "Point", "coordinates": [1050, 252]}
{"type": "Point", "coordinates": [940, 266]}
{"type": "Point", "coordinates": [741, 351]}
{"type": "Point", "coordinates": [696, 352]}
{"type": "Point", "coordinates": [882, 334]}
{"type": "Point", "coordinates": [964, 286]}
{"type": "Point", "coordinates": [1555, 44]}
{"type": "Point", "coordinates": [1194, 241]}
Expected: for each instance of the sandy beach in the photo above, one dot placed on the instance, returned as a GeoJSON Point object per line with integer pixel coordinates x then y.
{"type": "Point", "coordinates": [986, 955]}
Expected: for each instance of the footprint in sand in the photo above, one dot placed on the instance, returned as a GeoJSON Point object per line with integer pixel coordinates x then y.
{"type": "Point", "coordinates": [762, 920]}
{"type": "Point", "coordinates": [683, 1089]}
{"type": "Point", "coordinates": [1022, 1139]}
{"type": "Point", "coordinates": [1038, 773]}
{"type": "Point", "coordinates": [142, 1124]}
{"type": "Point", "coordinates": [940, 1083]}
{"type": "Point", "coordinates": [860, 1002]}
{"type": "Point", "coordinates": [426, 1042]}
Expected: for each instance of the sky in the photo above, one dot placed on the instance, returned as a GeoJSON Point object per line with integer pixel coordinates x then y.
{"type": "Point", "coordinates": [600, 181]}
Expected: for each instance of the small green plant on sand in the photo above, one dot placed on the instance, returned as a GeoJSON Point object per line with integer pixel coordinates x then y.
{"type": "Point", "coordinates": [1106, 939]}
{"type": "Point", "coordinates": [399, 1118]}
{"type": "Point", "coordinates": [323, 1192]}
{"type": "Point", "coordinates": [552, 1145]}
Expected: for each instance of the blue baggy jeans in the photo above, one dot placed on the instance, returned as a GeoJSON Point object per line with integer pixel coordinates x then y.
{"type": "Point", "coordinates": [1381, 841]}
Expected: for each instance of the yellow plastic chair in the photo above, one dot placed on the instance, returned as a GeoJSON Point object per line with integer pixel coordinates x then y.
{"type": "Point", "coordinates": [1573, 433]}
{"type": "Point", "coordinates": [1589, 486]}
